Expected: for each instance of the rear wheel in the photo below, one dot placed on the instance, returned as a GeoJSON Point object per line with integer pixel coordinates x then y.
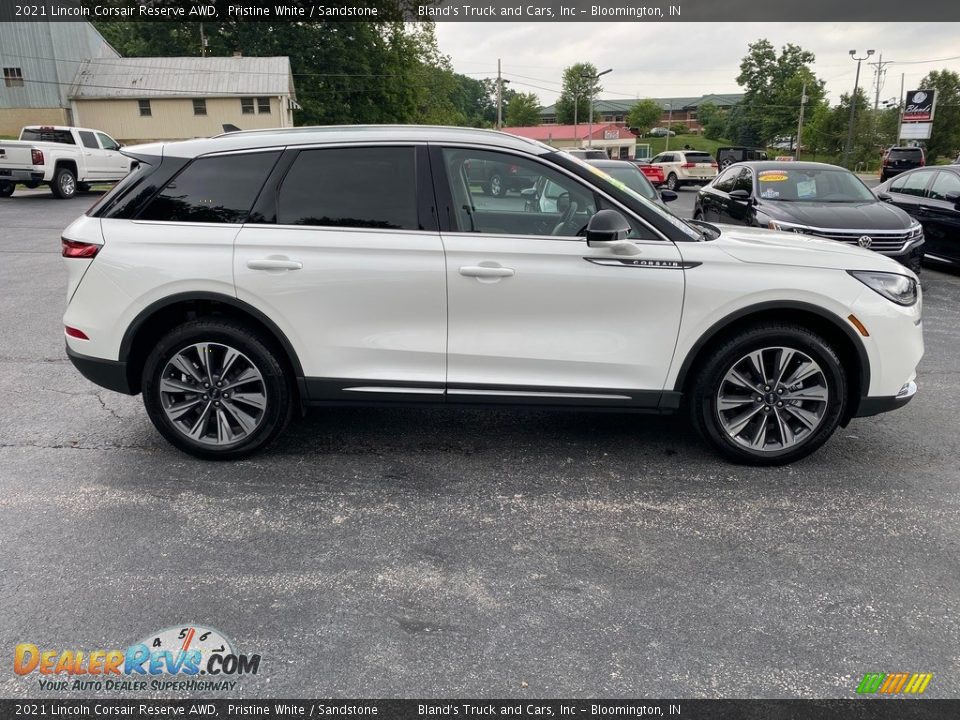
{"type": "Point", "coordinates": [672, 182]}
{"type": "Point", "coordinates": [6, 189]}
{"type": "Point", "coordinates": [64, 185]}
{"type": "Point", "coordinates": [497, 188]}
{"type": "Point", "coordinates": [769, 395]}
{"type": "Point", "coordinates": [217, 390]}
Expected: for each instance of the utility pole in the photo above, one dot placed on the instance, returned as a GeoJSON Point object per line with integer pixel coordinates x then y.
{"type": "Point", "coordinates": [666, 145]}
{"type": "Point", "coordinates": [576, 102]}
{"type": "Point", "coordinates": [880, 73]}
{"type": "Point", "coordinates": [803, 104]}
{"type": "Point", "coordinates": [900, 119]}
{"type": "Point", "coordinates": [499, 97]}
{"type": "Point", "coordinates": [853, 105]}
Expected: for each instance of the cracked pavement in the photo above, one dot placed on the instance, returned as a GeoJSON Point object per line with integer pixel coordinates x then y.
{"type": "Point", "coordinates": [405, 553]}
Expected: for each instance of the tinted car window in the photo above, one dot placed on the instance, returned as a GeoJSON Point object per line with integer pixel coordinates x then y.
{"type": "Point", "coordinates": [915, 154]}
{"type": "Point", "coordinates": [911, 183]}
{"type": "Point", "coordinates": [88, 139]}
{"type": "Point", "coordinates": [213, 189]}
{"type": "Point", "coordinates": [64, 137]}
{"type": "Point", "coordinates": [351, 187]}
{"type": "Point", "coordinates": [944, 184]}
{"type": "Point", "coordinates": [725, 182]}
{"type": "Point", "coordinates": [744, 181]}
{"type": "Point", "coordinates": [699, 157]}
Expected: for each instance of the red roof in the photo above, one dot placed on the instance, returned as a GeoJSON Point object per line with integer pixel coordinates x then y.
{"type": "Point", "coordinates": [545, 133]}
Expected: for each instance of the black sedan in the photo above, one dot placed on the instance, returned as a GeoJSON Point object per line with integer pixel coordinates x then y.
{"type": "Point", "coordinates": [932, 196]}
{"type": "Point", "coordinates": [813, 199]}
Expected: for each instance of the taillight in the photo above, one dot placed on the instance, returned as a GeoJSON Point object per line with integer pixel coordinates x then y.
{"type": "Point", "coordinates": [76, 249]}
{"type": "Point", "coordinates": [36, 156]}
{"type": "Point", "coordinates": [886, 161]}
{"type": "Point", "coordinates": [714, 166]}
{"type": "Point", "coordinates": [922, 162]}
{"type": "Point", "coordinates": [688, 165]}
{"type": "Point", "coordinates": [75, 333]}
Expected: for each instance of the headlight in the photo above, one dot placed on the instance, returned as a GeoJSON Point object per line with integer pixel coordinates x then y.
{"type": "Point", "coordinates": [899, 288]}
{"type": "Point", "coordinates": [774, 225]}
{"type": "Point", "coordinates": [916, 231]}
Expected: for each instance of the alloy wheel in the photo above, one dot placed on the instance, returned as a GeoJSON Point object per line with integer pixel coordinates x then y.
{"type": "Point", "coordinates": [68, 186]}
{"type": "Point", "coordinates": [213, 394]}
{"type": "Point", "coordinates": [772, 399]}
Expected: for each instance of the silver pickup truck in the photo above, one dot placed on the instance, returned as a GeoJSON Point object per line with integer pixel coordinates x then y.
{"type": "Point", "coordinates": [68, 159]}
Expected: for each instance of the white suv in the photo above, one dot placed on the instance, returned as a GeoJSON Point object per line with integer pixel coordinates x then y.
{"type": "Point", "coordinates": [686, 167]}
{"type": "Point", "coordinates": [234, 281]}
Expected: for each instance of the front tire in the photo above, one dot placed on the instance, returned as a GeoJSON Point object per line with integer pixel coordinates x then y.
{"type": "Point", "coordinates": [497, 188]}
{"type": "Point", "coordinates": [217, 390]}
{"type": "Point", "coordinates": [64, 185]}
{"type": "Point", "coordinates": [672, 182]}
{"type": "Point", "coordinates": [769, 395]}
{"type": "Point", "coordinates": [6, 189]}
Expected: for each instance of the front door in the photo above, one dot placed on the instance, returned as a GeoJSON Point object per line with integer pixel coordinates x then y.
{"type": "Point", "coordinates": [537, 316]}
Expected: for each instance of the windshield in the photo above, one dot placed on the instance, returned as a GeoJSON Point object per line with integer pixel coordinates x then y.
{"type": "Point", "coordinates": [633, 179]}
{"type": "Point", "coordinates": [812, 185]}
{"type": "Point", "coordinates": [692, 232]}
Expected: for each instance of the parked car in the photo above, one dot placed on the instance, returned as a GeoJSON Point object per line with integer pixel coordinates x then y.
{"type": "Point", "coordinates": [497, 178]}
{"type": "Point", "coordinates": [900, 159]}
{"type": "Point", "coordinates": [931, 195]}
{"type": "Point", "coordinates": [686, 167]}
{"type": "Point", "coordinates": [661, 132]}
{"type": "Point", "coordinates": [630, 175]}
{"type": "Point", "coordinates": [234, 280]}
{"type": "Point", "coordinates": [812, 199]}
{"type": "Point", "coordinates": [727, 156]}
{"type": "Point", "coordinates": [68, 159]}
{"type": "Point", "coordinates": [654, 173]}
{"type": "Point", "coordinates": [589, 154]}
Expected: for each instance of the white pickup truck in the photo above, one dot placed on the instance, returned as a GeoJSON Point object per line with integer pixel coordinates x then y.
{"type": "Point", "coordinates": [68, 159]}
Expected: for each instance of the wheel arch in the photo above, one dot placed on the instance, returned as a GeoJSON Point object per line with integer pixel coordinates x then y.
{"type": "Point", "coordinates": [160, 317]}
{"type": "Point", "coordinates": [69, 164]}
{"type": "Point", "coordinates": [841, 337]}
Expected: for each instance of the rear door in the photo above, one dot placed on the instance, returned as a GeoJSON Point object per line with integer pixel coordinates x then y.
{"type": "Point", "coordinates": [95, 165]}
{"type": "Point", "coordinates": [908, 191]}
{"type": "Point", "coordinates": [343, 259]}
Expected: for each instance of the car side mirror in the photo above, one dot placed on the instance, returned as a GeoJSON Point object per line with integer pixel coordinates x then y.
{"type": "Point", "coordinates": [609, 229]}
{"type": "Point", "coordinates": [668, 195]}
{"type": "Point", "coordinates": [740, 195]}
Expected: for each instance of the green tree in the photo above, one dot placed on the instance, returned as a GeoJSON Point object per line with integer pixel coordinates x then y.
{"type": "Point", "coordinates": [579, 86]}
{"type": "Point", "coordinates": [773, 87]}
{"type": "Point", "coordinates": [945, 135]}
{"type": "Point", "coordinates": [523, 110]}
{"type": "Point", "coordinates": [644, 115]}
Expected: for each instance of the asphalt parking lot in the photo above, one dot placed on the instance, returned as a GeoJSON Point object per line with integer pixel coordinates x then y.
{"type": "Point", "coordinates": [405, 553]}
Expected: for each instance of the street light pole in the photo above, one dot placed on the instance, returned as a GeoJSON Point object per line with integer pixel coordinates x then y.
{"type": "Point", "coordinates": [853, 105]}
{"type": "Point", "coordinates": [592, 79]}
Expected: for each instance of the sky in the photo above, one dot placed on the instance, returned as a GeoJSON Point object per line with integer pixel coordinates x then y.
{"type": "Point", "coordinates": [691, 59]}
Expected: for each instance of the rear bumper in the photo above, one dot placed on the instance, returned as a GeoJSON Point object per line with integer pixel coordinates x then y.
{"type": "Point", "coordinates": [109, 374]}
{"type": "Point", "coordinates": [870, 406]}
{"type": "Point", "coordinates": [21, 176]}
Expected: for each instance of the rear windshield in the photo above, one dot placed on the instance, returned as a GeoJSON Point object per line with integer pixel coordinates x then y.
{"type": "Point", "coordinates": [64, 137]}
{"type": "Point", "coordinates": [905, 154]}
{"type": "Point", "coordinates": [699, 157]}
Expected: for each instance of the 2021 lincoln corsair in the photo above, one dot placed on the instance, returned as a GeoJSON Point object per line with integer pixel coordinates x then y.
{"type": "Point", "coordinates": [237, 279]}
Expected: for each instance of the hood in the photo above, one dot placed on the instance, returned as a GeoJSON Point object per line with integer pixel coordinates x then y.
{"type": "Point", "coordinates": [756, 245]}
{"type": "Point", "coordinates": [866, 216]}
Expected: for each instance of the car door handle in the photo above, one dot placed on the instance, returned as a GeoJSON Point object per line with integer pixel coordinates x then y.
{"type": "Point", "coordinates": [479, 271]}
{"type": "Point", "coordinates": [274, 264]}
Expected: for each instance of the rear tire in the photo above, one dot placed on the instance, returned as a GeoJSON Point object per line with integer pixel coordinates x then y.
{"type": "Point", "coordinates": [672, 182]}
{"type": "Point", "coordinates": [778, 413]}
{"type": "Point", "coordinates": [6, 189]}
{"type": "Point", "coordinates": [251, 406]}
{"type": "Point", "coordinates": [496, 186]}
{"type": "Point", "coordinates": [64, 185]}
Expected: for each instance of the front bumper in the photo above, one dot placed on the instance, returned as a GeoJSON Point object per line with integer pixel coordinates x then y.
{"type": "Point", "coordinates": [870, 406]}
{"type": "Point", "coordinates": [109, 374]}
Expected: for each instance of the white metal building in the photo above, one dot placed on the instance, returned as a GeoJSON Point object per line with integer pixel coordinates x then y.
{"type": "Point", "coordinates": [161, 98]}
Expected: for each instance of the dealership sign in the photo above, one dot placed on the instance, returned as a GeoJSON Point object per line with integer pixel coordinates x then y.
{"type": "Point", "coordinates": [920, 106]}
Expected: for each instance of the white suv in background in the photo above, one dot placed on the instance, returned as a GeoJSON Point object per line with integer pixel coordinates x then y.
{"type": "Point", "coordinates": [686, 167]}
{"type": "Point", "coordinates": [235, 280]}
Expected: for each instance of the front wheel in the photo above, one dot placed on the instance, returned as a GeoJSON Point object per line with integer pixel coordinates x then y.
{"type": "Point", "coordinates": [769, 395]}
{"type": "Point", "coordinates": [497, 188]}
{"type": "Point", "coordinates": [6, 189]}
{"type": "Point", "coordinates": [217, 390]}
{"type": "Point", "coordinates": [672, 182]}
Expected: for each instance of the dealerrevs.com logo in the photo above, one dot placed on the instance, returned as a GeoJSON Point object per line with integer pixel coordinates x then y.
{"type": "Point", "coordinates": [894, 683]}
{"type": "Point", "coordinates": [182, 658]}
